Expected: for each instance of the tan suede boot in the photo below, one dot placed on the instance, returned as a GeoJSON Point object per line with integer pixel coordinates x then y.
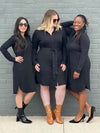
{"type": "Point", "coordinates": [57, 114]}
{"type": "Point", "coordinates": [49, 114]}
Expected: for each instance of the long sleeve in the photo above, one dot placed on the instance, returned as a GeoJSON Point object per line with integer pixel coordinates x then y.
{"type": "Point", "coordinates": [84, 46]}
{"type": "Point", "coordinates": [35, 42]}
{"type": "Point", "coordinates": [64, 41]}
{"type": "Point", "coordinates": [67, 27]}
{"type": "Point", "coordinates": [9, 43]}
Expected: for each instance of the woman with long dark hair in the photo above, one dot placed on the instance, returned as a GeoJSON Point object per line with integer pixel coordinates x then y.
{"type": "Point", "coordinates": [78, 65]}
{"type": "Point", "coordinates": [23, 72]}
{"type": "Point", "coordinates": [50, 61]}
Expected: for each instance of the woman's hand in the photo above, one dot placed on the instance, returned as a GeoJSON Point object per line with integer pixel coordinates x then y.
{"type": "Point", "coordinates": [63, 67]}
{"type": "Point", "coordinates": [37, 67]}
{"type": "Point", "coordinates": [19, 59]}
{"type": "Point", "coordinates": [76, 75]}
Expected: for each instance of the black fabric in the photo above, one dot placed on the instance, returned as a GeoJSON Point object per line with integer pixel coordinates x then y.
{"type": "Point", "coordinates": [78, 59]}
{"type": "Point", "coordinates": [49, 51]}
{"type": "Point", "coordinates": [23, 73]}
{"type": "Point", "coordinates": [24, 105]}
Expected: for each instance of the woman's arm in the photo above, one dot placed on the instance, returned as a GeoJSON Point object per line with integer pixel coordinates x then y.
{"type": "Point", "coordinates": [35, 42]}
{"type": "Point", "coordinates": [67, 24]}
{"type": "Point", "coordinates": [64, 41]}
{"type": "Point", "coordinates": [84, 45]}
{"type": "Point", "coordinates": [68, 27]}
{"type": "Point", "coordinates": [10, 42]}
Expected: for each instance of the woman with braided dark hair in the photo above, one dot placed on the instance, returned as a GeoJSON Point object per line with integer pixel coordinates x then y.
{"type": "Point", "coordinates": [78, 65]}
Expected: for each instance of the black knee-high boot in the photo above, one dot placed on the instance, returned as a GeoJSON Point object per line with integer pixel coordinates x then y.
{"type": "Point", "coordinates": [21, 116]}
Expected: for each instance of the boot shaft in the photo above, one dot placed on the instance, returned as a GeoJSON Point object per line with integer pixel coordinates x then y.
{"type": "Point", "coordinates": [49, 114]}
{"type": "Point", "coordinates": [58, 108]}
{"type": "Point", "coordinates": [48, 109]}
{"type": "Point", "coordinates": [20, 111]}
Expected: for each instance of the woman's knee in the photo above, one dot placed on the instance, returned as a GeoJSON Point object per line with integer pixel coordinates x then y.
{"type": "Point", "coordinates": [61, 87]}
{"type": "Point", "coordinates": [70, 91]}
{"type": "Point", "coordinates": [44, 87]}
{"type": "Point", "coordinates": [20, 92]}
{"type": "Point", "coordinates": [33, 93]}
{"type": "Point", "coordinates": [83, 93]}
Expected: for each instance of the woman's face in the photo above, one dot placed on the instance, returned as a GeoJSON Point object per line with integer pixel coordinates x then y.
{"type": "Point", "coordinates": [55, 20]}
{"type": "Point", "coordinates": [23, 26]}
{"type": "Point", "coordinates": [78, 24]}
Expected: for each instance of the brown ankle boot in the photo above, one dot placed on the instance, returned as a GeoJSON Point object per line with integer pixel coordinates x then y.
{"type": "Point", "coordinates": [57, 114]}
{"type": "Point", "coordinates": [49, 114]}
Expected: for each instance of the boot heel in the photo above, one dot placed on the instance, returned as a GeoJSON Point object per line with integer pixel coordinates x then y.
{"type": "Point", "coordinates": [53, 115]}
{"type": "Point", "coordinates": [17, 119]}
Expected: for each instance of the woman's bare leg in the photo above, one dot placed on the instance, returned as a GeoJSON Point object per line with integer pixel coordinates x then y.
{"type": "Point", "coordinates": [87, 106]}
{"type": "Point", "coordinates": [19, 98]}
{"type": "Point", "coordinates": [60, 94]}
{"type": "Point", "coordinates": [28, 97]}
{"type": "Point", "coordinates": [45, 94]}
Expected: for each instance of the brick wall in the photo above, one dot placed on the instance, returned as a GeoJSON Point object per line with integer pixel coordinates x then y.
{"type": "Point", "coordinates": [34, 10]}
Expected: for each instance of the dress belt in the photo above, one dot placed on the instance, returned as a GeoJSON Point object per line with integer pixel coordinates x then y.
{"type": "Point", "coordinates": [55, 70]}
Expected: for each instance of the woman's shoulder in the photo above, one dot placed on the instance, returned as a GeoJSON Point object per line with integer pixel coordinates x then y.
{"type": "Point", "coordinates": [11, 39]}
{"type": "Point", "coordinates": [62, 30]}
{"type": "Point", "coordinates": [84, 37]}
{"type": "Point", "coordinates": [36, 34]}
{"type": "Point", "coordinates": [38, 31]}
{"type": "Point", "coordinates": [9, 42]}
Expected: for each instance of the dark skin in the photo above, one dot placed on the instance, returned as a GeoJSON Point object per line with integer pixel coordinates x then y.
{"type": "Point", "coordinates": [81, 96]}
{"type": "Point", "coordinates": [78, 25]}
{"type": "Point", "coordinates": [76, 75]}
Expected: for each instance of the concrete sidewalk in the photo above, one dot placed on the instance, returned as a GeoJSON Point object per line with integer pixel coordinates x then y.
{"type": "Point", "coordinates": [39, 125]}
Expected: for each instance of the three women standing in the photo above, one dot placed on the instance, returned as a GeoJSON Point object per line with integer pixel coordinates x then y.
{"type": "Point", "coordinates": [23, 72]}
{"type": "Point", "coordinates": [50, 62]}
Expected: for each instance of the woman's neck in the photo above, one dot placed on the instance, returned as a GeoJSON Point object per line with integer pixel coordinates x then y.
{"type": "Point", "coordinates": [76, 32]}
{"type": "Point", "coordinates": [51, 30]}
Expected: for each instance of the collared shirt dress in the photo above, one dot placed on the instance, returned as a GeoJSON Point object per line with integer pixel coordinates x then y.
{"type": "Point", "coordinates": [78, 59]}
{"type": "Point", "coordinates": [50, 52]}
{"type": "Point", "coordinates": [23, 73]}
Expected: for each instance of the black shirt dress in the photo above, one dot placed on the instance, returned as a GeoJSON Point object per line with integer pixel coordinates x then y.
{"type": "Point", "coordinates": [23, 73]}
{"type": "Point", "coordinates": [78, 60]}
{"type": "Point", "coordinates": [49, 51]}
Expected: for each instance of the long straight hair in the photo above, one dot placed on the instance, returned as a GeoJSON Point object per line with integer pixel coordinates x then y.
{"type": "Point", "coordinates": [20, 42]}
{"type": "Point", "coordinates": [84, 28]}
